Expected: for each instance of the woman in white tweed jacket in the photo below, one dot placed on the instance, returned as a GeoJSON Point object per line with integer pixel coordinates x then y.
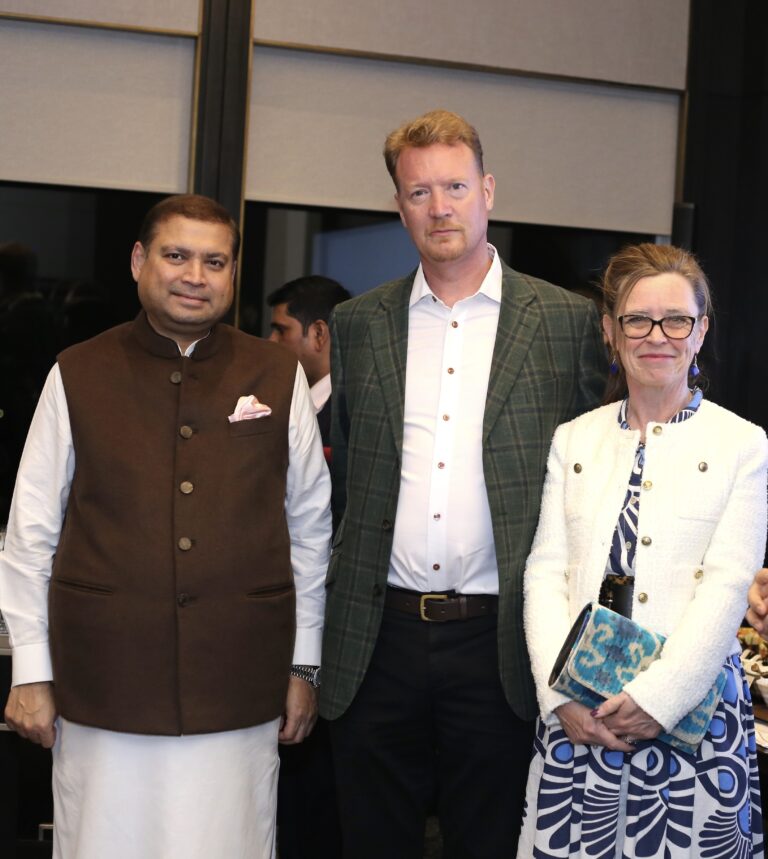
{"type": "Point", "coordinates": [671, 490]}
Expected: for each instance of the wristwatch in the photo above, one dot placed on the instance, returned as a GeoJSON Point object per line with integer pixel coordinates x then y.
{"type": "Point", "coordinates": [310, 673]}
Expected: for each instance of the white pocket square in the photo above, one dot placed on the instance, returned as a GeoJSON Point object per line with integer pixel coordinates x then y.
{"type": "Point", "coordinates": [248, 408]}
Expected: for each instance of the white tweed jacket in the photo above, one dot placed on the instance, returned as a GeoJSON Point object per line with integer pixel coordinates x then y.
{"type": "Point", "coordinates": [701, 537]}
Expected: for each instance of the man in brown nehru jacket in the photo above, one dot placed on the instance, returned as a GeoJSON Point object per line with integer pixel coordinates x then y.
{"type": "Point", "coordinates": [163, 570]}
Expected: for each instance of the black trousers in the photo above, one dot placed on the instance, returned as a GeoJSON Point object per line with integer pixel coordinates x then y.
{"type": "Point", "coordinates": [307, 816]}
{"type": "Point", "coordinates": [430, 726]}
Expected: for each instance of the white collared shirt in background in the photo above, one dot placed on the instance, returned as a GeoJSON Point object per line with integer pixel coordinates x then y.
{"type": "Point", "coordinates": [443, 536]}
{"type": "Point", "coordinates": [321, 393]}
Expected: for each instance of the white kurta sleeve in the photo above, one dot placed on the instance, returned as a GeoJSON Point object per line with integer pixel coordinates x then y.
{"type": "Point", "coordinates": [308, 513]}
{"type": "Point", "coordinates": [37, 512]}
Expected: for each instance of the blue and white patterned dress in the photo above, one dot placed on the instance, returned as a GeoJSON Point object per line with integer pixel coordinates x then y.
{"type": "Point", "coordinates": [659, 802]}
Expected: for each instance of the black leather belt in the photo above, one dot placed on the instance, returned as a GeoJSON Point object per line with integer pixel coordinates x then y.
{"type": "Point", "coordinates": [441, 607]}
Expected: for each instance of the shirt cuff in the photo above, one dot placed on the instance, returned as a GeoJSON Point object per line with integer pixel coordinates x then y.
{"type": "Point", "coordinates": [31, 664]}
{"type": "Point", "coordinates": [308, 647]}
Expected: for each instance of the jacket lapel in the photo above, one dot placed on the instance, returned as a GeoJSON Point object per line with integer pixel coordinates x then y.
{"type": "Point", "coordinates": [518, 324]}
{"type": "Point", "coordinates": [389, 339]}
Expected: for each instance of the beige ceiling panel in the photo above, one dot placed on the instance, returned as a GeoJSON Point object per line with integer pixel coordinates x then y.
{"type": "Point", "coordinates": [180, 16]}
{"type": "Point", "coordinates": [95, 107]}
{"type": "Point", "coordinates": [563, 153]}
{"type": "Point", "coordinates": [641, 42]}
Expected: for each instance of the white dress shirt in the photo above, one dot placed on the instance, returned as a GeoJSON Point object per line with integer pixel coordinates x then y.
{"type": "Point", "coordinates": [443, 536]}
{"type": "Point", "coordinates": [40, 501]}
{"type": "Point", "coordinates": [321, 393]}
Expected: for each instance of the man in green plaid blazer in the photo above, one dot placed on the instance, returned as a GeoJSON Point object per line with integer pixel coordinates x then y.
{"type": "Point", "coordinates": [432, 697]}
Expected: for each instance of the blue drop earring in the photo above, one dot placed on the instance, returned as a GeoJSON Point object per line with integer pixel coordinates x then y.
{"type": "Point", "coordinates": [694, 371]}
{"type": "Point", "coordinates": [613, 367]}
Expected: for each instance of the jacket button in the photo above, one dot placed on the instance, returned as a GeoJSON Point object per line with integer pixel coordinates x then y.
{"type": "Point", "coordinates": [377, 590]}
{"type": "Point", "coordinates": [646, 541]}
{"type": "Point", "coordinates": [699, 574]}
{"type": "Point", "coordinates": [577, 467]}
{"type": "Point", "coordinates": [703, 466]}
{"type": "Point", "coordinates": [185, 544]}
{"type": "Point", "coordinates": [657, 430]}
{"type": "Point", "coordinates": [642, 597]}
{"type": "Point", "coordinates": [186, 486]}
{"type": "Point", "coordinates": [175, 377]}
{"type": "Point", "coordinates": [386, 524]}
{"type": "Point", "coordinates": [182, 600]}
{"type": "Point", "coordinates": [647, 484]}
{"type": "Point", "coordinates": [186, 431]}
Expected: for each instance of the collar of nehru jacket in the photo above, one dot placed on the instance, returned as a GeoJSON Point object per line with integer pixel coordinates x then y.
{"type": "Point", "coordinates": [164, 347]}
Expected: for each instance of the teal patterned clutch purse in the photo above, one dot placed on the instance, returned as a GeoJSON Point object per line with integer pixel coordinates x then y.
{"type": "Point", "coordinates": [604, 651]}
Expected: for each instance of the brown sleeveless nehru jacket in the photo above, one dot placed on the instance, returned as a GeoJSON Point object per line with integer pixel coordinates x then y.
{"type": "Point", "coordinates": [171, 601]}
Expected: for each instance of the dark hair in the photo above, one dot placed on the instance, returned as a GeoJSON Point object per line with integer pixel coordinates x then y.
{"type": "Point", "coordinates": [437, 126]}
{"type": "Point", "coordinates": [309, 298]}
{"type": "Point", "coordinates": [192, 206]}
{"type": "Point", "coordinates": [632, 264]}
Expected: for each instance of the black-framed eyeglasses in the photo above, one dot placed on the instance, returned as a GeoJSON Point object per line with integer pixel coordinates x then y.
{"type": "Point", "coordinates": [635, 326]}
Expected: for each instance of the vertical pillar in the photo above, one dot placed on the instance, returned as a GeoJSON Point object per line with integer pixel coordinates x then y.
{"type": "Point", "coordinates": [222, 102]}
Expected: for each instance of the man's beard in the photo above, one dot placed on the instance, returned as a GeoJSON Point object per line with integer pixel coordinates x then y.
{"type": "Point", "coordinates": [449, 249]}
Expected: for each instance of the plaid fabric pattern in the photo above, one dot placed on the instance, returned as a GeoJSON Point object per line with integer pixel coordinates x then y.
{"type": "Point", "coordinates": [548, 366]}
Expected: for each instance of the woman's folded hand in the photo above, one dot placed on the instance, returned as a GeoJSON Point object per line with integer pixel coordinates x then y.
{"type": "Point", "coordinates": [625, 719]}
{"type": "Point", "coordinates": [583, 728]}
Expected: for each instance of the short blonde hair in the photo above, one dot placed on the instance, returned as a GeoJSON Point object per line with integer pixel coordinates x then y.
{"type": "Point", "coordinates": [437, 126]}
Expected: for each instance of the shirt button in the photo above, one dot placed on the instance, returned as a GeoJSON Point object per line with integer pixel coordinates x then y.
{"type": "Point", "coordinates": [657, 430]}
{"type": "Point", "coordinates": [175, 377]}
{"type": "Point", "coordinates": [646, 541]}
{"type": "Point", "coordinates": [182, 600]}
{"type": "Point", "coordinates": [647, 484]}
{"type": "Point", "coordinates": [451, 371]}
{"type": "Point", "coordinates": [703, 466]}
{"type": "Point", "coordinates": [577, 467]}
{"type": "Point", "coordinates": [642, 597]}
{"type": "Point", "coordinates": [185, 544]}
{"type": "Point", "coordinates": [699, 574]}
{"type": "Point", "coordinates": [436, 517]}
{"type": "Point", "coordinates": [441, 465]}
{"type": "Point", "coordinates": [446, 417]}
{"type": "Point", "coordinates": [454, 324]}
{"type": "Point", "coordinates": [186, 487]}
{"type": "Point", "coordinates": [435, 566]}
{"type": "Point", "coordinates": [186, 431]}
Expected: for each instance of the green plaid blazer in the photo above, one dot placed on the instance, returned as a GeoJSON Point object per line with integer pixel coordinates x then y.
{"type": "Point", "coordinates": [548, 366]}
